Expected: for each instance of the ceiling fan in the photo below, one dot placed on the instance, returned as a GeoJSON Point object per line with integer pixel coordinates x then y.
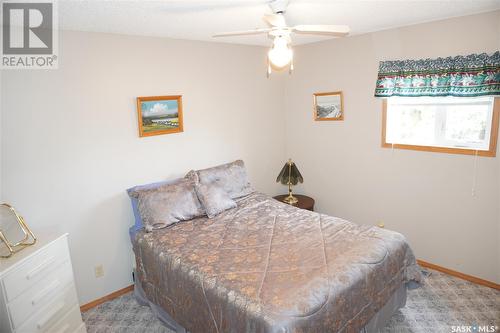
{"type": "Point", "coordinates": [281, 55]}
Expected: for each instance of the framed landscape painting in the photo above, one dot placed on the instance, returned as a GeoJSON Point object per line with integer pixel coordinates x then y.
{"type": "Point", "coordinates": [329, 106]}
{"type": "Point", "coordinates": [159, 115]}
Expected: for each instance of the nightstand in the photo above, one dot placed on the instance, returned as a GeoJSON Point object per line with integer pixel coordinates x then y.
{"type": "Point", "coordinates": [305, 202]}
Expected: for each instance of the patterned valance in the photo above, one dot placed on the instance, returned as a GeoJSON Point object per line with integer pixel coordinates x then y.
{"type": "Point", "coordinates": [462, 76]}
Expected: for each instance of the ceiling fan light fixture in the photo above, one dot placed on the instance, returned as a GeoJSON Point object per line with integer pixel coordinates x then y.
{"type": "Point", "coordinates": [280, 55]}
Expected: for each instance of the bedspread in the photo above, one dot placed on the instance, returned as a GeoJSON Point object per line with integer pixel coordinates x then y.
{"type": "Point", "coordinates": [269, 267]}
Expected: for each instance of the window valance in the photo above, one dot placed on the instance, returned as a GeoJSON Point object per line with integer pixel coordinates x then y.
{"type": "Point", "coordinates": [462, 76]}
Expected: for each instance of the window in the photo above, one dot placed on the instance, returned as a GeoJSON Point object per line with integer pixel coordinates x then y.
{"type": "Point", "coordinates": [461, 125]}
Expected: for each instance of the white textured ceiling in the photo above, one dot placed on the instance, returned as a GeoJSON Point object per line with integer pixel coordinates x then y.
{"type": "Point", "coordinates": [200, 19]}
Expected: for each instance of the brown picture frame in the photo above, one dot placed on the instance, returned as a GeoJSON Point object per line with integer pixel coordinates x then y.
{"type": "Point", "coordinates": [336, 106]}
{"type": "Point", "coordinates": [159, 115]}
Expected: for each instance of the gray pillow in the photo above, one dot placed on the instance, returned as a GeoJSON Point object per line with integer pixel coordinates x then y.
{"type": "Point", "coordinates": [134, 192]}
{"type": "Point", "coordinates": [214, 199]}
{"type": "Point", "coordinates": [232, 177]}
{"type": "Point", "coordinates": [192, 175]}
{"type": "Point", "coordinates": [169, 204]}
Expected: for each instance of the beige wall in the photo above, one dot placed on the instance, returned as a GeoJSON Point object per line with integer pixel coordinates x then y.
{"type": "Point", "coordinates": [1, 105]}
{"type": "Point", "coordinates": [426, 196]}
{"type": "Point", "coordinates": [70, 146]}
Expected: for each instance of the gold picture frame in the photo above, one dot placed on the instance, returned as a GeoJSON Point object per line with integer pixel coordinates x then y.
{"type": "Point", "coordinates": [13, 246]}
{"type": "Point", "coordinates": [328, 106]}
{"type": "Point", "coordinates": [159, 115]}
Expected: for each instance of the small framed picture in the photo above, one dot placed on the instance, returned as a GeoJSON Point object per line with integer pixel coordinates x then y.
{"type": "Point", "coordinates": [329, 106]}
{"type": "Point", "coordinates": [159, 115]}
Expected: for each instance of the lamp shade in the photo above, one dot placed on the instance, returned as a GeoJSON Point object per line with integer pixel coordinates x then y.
{"type": "Point", "coordinates": [290, 174]}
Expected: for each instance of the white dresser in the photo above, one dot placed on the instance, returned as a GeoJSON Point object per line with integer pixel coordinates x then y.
{"type": "Point", "coordinates": [37, 291]}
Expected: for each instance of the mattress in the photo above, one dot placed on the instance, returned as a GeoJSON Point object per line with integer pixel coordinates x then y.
{"type": "Point", "coordinates": [269, 267]}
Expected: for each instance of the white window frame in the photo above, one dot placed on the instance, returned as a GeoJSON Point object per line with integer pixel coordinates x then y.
{"type": "Point", "coordinates": [442, 145]}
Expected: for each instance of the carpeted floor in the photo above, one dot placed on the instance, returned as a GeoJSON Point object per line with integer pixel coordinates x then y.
{"type": "Point", "coordinates": [443, 302]}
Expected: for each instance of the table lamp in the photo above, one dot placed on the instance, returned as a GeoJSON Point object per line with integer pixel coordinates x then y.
{"type": "Point", "coordinates": [290, 175]}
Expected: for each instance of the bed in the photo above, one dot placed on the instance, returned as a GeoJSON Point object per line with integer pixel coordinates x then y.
{"type": "Point", "coordinates": [265, 266]}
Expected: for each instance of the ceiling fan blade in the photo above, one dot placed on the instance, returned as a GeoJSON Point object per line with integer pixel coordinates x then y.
{"type": "Point", "coordinates": [243, 32]}
{"type": "Point", "coordinates": [332, 30]}
{"type": "Point", "coordinates": [275, 20]}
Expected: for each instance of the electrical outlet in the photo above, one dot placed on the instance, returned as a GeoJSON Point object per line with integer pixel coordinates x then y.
{"type": "Point", "coordinates": [99, 271]}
